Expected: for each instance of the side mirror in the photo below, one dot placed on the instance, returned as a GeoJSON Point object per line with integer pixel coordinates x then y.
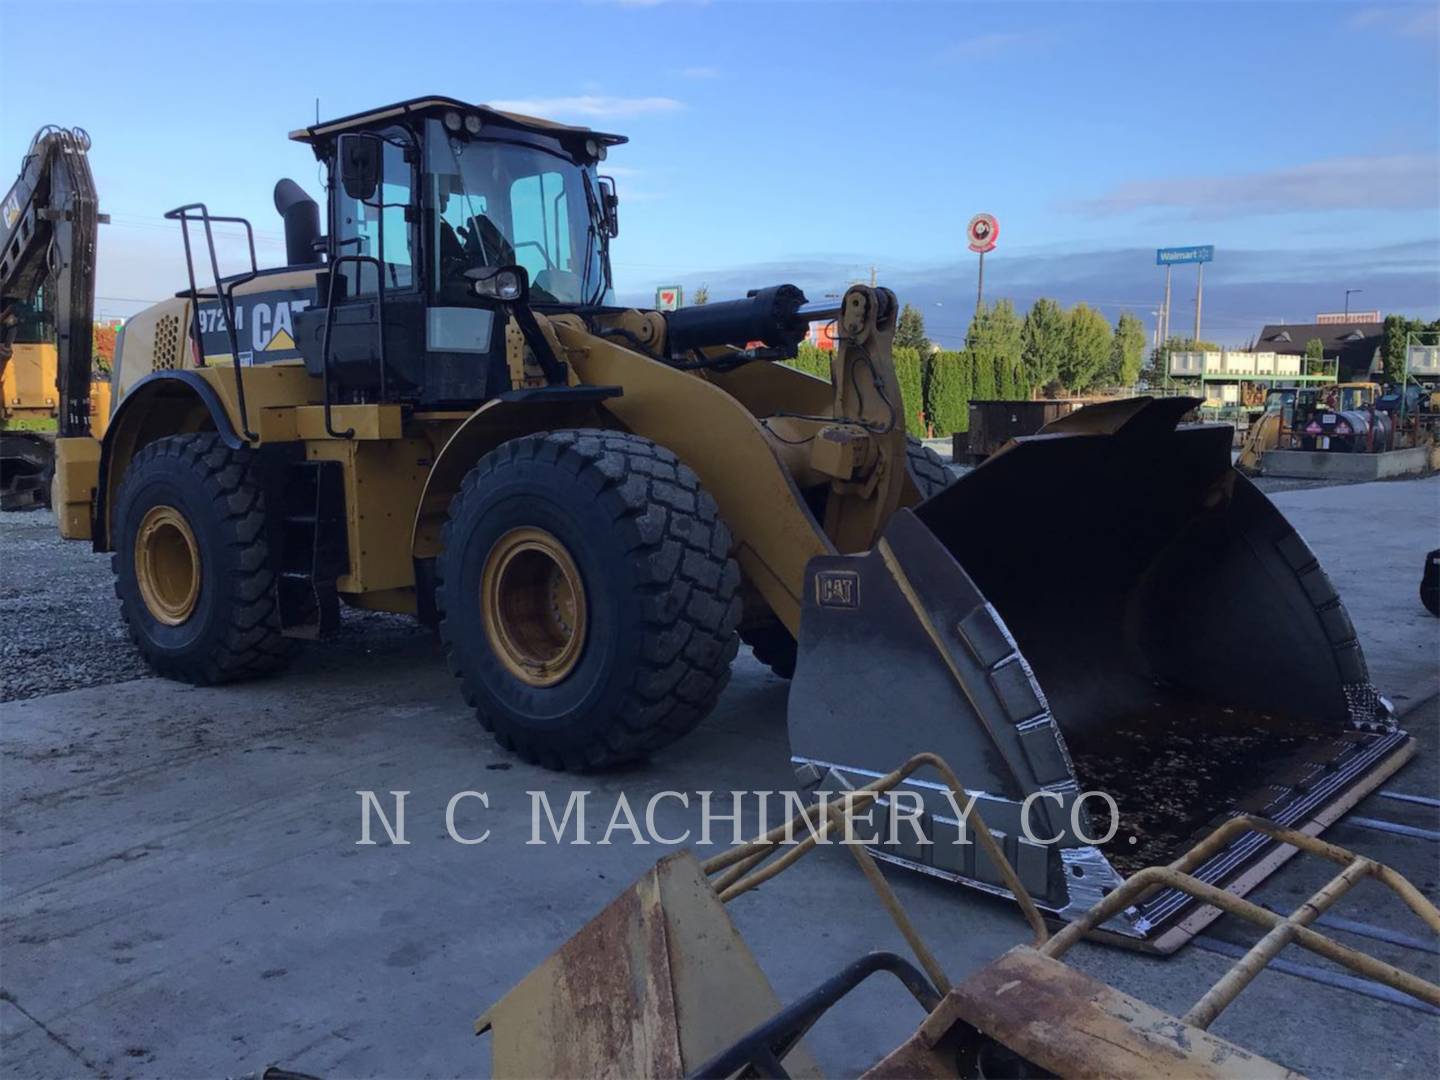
{"type": "Point", "coordinates": [610, 206]}
{"type": "Point", "coordinates": [508, 284]}
{"type": "Point", "coordinates": [359, 161]}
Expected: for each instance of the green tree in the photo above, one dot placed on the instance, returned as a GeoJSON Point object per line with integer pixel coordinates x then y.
{"type": "Point", "coordinates": [812, 361]}
{"type": "Point", "coordinates": [1128, 351]}
{"type": "Point", "coordinates": [1392, 349]}
{"type": "Point", "coordinates": [1314, 356]}
{"type": "Point", "coordinates": [910, 330]}
{"type": "Point", "coordinates": [948, 392]}
{"type": "Point", "coordinates": [998, 328]}
{"type": "Point", "coordinates": [982, 365]}
{"type": "Point", "coordinates": [1089, 347]}
{"type": "Point", "coordinates": [995, 343]}
{"type": "Point", "coordinates": [910, 371]}
{"type": "Point", "coordinates": [701, 297]}
{"type": "Point", "coordinates": [1044, 340]}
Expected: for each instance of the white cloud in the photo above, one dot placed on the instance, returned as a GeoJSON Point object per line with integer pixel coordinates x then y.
{"type": "Point", "coordinates": [590, 106]}
{"type": "Point", "coordinates": [1408, 20]}
{"type": "Point", "coordinates": [984, 46]}
{"type": "Point", "coordinates": [1381, 182]}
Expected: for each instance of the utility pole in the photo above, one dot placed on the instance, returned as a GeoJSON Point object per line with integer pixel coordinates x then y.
{"type": "Point", "coordinates": [1199, 292]}
{"type": "Point", "coordinates": [872, 277]}
{"type": "Point", "coordinates": [1347, 301]}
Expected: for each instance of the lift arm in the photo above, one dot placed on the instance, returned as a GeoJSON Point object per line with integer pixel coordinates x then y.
{"type": "Point", "coordinates": [48, 226]}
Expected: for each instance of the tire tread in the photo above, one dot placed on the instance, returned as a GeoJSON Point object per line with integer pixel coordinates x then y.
{"type": "Point", "coordinates": [252, 643]}
{"type": "Point", "coordinates": [690, 607]}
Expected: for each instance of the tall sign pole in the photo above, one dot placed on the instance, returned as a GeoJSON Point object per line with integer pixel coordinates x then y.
{"type": "Point", "coordinates": [981, 235]}
{"type": "Point", "coordinates": [1199, 254]}
{"type": "Point", "coordinates": [1199, 295]}
{"type": "Point", "coordinates": [1165, 311]}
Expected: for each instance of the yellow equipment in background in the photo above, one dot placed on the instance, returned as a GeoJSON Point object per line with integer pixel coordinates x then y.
{"type": "Point", "coordinates": [29, 410]}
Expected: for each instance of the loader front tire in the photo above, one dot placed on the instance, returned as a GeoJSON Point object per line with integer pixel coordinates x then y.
{"type": "Point", "coordinates": [769, 640]}
{"type": "Point", "coordinates": [926, 468]}
{"type": "Point", "coordinates": [587, 597]}
{"type": "Point", "coordinates": [192, 563]}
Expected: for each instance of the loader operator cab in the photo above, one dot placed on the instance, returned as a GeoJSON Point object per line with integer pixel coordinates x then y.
{"type": "Point", "coordinates": [428, 199]}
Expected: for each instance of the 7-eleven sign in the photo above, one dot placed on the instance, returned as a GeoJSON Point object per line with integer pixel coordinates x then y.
{"type": "Point", "coordinates": [669, 298]}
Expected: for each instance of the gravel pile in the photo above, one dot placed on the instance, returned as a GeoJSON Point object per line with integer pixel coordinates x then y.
{"type": "Point", "coordinates": [60, 625]}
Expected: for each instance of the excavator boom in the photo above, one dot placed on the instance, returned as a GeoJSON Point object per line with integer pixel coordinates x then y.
{"type": "Point", "coordinates": [48, 229]}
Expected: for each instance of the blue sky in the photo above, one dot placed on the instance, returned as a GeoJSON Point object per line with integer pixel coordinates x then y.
{"type": "Point", "coordinates": [809, 141]}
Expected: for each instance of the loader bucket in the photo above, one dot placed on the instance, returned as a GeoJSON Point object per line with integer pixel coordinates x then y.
{"type": "Point", "coordinates": [1105, 606]}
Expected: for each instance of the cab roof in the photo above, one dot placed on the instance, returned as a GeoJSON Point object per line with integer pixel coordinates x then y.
{"type": "Point", "coordinates": [437, 106]}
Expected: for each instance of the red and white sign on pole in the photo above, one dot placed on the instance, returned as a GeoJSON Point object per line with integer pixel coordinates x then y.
{"type": "Point", "coordinates": [982, 232]}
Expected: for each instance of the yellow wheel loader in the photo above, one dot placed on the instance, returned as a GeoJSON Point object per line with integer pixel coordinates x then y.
{"type": "Point", "coordinates": [437, 408]}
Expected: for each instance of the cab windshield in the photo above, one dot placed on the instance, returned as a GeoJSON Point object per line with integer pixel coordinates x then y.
{"type": "Point", "coordinates": [34, 326]}
{"type": "Point", "coordinates": [501, 203]}
{"type": "Point", "coordinates": [1354, 397]}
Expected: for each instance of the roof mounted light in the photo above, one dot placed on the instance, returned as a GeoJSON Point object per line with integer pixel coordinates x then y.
{"type": "Point", "coordinates": [592, 149]}
{"type": "Point", "coordinates": [453, 122]}
{"type": "Point", "coordinates": [472, 123]}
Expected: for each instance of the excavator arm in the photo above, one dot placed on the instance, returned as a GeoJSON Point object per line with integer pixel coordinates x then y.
{"type": "Point", "coordinates": [48, 225]}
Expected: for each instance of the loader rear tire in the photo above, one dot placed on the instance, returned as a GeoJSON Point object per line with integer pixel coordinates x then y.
{"type": "Point", "coordinates": [601, 537]}
{"type": "Point", "coordinates": [192, 563]}
{"type": "Point", "coordinates": [769, 640]}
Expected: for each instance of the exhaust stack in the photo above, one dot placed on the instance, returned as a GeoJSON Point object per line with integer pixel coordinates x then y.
{"type": "Point", "coordinates": [302, 223]}
{"type": "Point", "coordinates": [1105, 606]}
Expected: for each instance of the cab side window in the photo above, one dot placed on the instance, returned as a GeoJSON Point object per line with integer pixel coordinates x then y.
{"type": "Point", "coordinates": [378, 227]}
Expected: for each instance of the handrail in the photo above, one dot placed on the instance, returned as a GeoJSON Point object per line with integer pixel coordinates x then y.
{"type": "Point", "coordinates": [1281, 930]}
{"type": "Point", "coordinates": [738, 870]}
{"type": "Point", "coordinates": [335, 263]}
{"type": "Point", "coordinates": [224, 297]}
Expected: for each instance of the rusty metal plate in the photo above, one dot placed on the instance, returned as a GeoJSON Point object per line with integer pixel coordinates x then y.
{"type": "Point", "coordinates": [1070, 1024]}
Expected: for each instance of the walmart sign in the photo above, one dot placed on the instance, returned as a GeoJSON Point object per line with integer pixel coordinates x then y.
{"type": "Point", "coordinates": [1201, 253]}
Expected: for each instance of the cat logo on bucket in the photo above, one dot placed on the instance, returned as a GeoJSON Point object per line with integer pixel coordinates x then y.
{"type": "Point", "coordinates": [837, 589]}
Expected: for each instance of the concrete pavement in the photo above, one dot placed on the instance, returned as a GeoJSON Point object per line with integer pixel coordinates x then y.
{"type": "Point", "coordinates": [183, 894]}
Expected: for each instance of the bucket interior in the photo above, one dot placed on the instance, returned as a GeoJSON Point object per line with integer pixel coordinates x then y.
{"type": "Point", "coordinates": [1186, 658]}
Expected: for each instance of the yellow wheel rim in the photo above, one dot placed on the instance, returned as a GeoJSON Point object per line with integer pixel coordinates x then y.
{"type": "Point", "coordinates": [167, 565]}
{"type": "Point", "coordinates": [533, 604]}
